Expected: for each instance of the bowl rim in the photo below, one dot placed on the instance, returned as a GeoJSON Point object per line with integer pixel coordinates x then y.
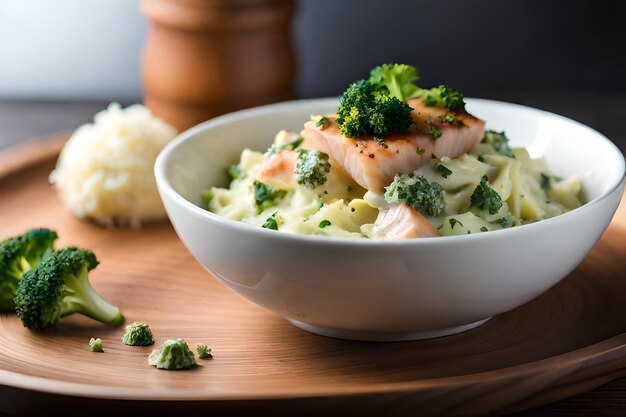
{"type": "Point", "coordinates": [165, 187]}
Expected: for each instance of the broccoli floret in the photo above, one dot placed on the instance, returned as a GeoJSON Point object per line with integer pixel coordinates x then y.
{"type": "Point", "coordinates": [417, 192]}
{"type": "Point", "coordinates": [311, 167]}
{"type": "Point", "coordinates": [265, 195]}
{"type": "Point", "coordinates": [486, 198]}
{"type": "Point", "coordinates": [442, 96]}
{"type": "Point", "coordinates": [204, 352]}
{"type": "Point", "coordinates": [397, 78]}
{"type": "Point", "coordinates": [18, 255]}
{"type": "Point", "coordinates": [365, 109]}
{"type": "Point", "coordinates": [138, 334]}
{"type": "Point", "coordinates": [172, 355]}
{"type": "Point", "coordinates": [60, 286]}
{"type": "Point", "coordinates": [95, 345]}
{"type": "Point", "coordinates": [499, 141]}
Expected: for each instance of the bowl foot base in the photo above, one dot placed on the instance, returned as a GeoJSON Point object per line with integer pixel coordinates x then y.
{"type": "Point", "coordinates": [385, 336]}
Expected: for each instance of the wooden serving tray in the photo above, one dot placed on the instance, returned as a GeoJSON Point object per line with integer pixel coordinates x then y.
{"type": "Point", "coordinates": [567, 341]}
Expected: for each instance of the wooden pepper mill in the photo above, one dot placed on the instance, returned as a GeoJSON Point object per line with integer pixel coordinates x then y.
{"type": "Point", "coordinates": [208, 57]}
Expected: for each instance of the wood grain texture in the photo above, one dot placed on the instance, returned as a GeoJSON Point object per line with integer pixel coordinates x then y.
{"type": "Point", "coordinates": [569, 340]}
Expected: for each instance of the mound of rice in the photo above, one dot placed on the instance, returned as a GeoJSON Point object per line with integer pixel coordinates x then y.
{"type": "Point", "coordinates": [105, 170]}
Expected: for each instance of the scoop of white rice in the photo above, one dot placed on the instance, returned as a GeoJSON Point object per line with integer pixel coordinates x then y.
{"type": "Point", "coordinates": [105, 170]}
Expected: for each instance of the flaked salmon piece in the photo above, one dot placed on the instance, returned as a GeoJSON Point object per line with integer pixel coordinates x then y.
{"type": "Point", "coordinates": [373, 165]}
{"type": "Point", "coordinates": [399, 221]}
{"type": "Point", "coordinates": [279, 170]}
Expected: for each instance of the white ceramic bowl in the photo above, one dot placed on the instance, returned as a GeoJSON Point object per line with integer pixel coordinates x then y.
{"type": "Point", "coordinates": [388, 290]}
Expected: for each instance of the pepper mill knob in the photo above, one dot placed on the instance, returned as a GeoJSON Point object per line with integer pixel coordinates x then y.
{"type": "Point", "coordinates": [208, 57]}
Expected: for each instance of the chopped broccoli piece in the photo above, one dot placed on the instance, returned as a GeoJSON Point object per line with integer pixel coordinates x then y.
{"type": "Point", "coordinates": [417, 192]}
{"type": "Point", "coordinates": [95, 345]}
{"type": "Point", "coordinates": [397, 78]}
{"type": "Point", "coordinates": [545, 181]}
{"type": "Point", "coordinates": [235, 172]}
{"type": "Point", "coordinates": [60, 286]}
{"type": "Point", "coordinates": [454, 222]}
{"type": "Point", "coordinates": [381, 142]}
{"type": "Point", "coordinates": [271, 222]}
{"type": "Point", "coordinates": [266, 195]}
{"type": "Point", "coordinates": [444, 171]}
{"type": "Point", "coordinates": [499, 141]}
{"type": "Point", "coordinates": [18, 255]}
{"type": "Point", "coordinates": [172, 355]}
{"type": "Point", "coordinates": [484, 229]}
{"type": "Point", "coordinates": [324, 223]}
{"type": "Point", "coordinates": [204, 352]}
{"type": "Point", "coordinates": [503, 222]}
{"type": "Point", "coordinates": [367, 110]}
{"type": "Point", "coordinates": [486, 198]}
{"type": "Point", "coordinates": [447, 118]}
{"type": "Point", "coordinates": [207, 196]}
{"type": "Point", "coordinates": [311, 167]}
{"type": "Point", "coordinates": [443, 96]}
{"type": "Point", "coordinates": [320, 121]}
{"type": "Point", "coordinates": [294, 144]}
{"type": "Point", "coordinates": [138, 334]}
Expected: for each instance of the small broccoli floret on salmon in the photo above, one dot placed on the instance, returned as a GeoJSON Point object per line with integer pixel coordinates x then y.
{"type": "Point", "coordinates": [60, 286]}
{"type": "Point", "coordinates": [415, 191]}
{"type": "Point", "coordinates": [443, 96]}
{"type": "Point", "coordinates": [311, 167]}
{"type": "Point", "coordinates": [18, 255]}
{"type": "Point", "coordinates": [366, 109]}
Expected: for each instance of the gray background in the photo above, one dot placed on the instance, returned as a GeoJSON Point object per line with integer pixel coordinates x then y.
{"type": "Point", "coordinates": [91, 49]}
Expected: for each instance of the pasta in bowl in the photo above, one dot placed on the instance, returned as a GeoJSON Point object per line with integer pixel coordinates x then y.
{"type": "Point", "coordinates": [399, 289]}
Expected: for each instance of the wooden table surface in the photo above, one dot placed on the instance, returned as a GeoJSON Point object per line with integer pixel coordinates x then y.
{"type": "Point", "coordinates": [29, 120]}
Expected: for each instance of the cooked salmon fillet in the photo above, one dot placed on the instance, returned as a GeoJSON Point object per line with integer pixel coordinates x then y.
{"type": "Point", "coordinates": [373, 165]}
{"type": "Point", "coordinates": [399, 221]}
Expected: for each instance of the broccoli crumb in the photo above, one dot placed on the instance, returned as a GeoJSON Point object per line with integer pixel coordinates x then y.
{"type": "Point", "coordinates": [95, 345]}
{"type": "Point", "coordinates": [444, 171]}
{"type": "Point", "coordinates": [138, 334]}
{"type": "Point", "coordinates": [265, 195]}
{"type": "Point", "coordinates": [235, 172]}
{"type": "Point", "coordinates": [320, 121]}
{"type": "Point", "coordinates": [454, 222]}
{"type": "Point", "coordinates": [324, 223]}
{"type": "Point", "coordinates": [274, 149]}
{"type": "Point", "coordinates": [174, 354]}
{"type": "Point", "coordinates": [271, 222]}
{"type": "Point", "coordinates": [545, 181]}
{"type": "Point", "coordinates": [447, 118]}
{"type": "Point", "coordinates": [484, 229]}
{"type": "Point", "coordinates": [207, 196]}
{"type": "Point", "coordinates": [204, 352]}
